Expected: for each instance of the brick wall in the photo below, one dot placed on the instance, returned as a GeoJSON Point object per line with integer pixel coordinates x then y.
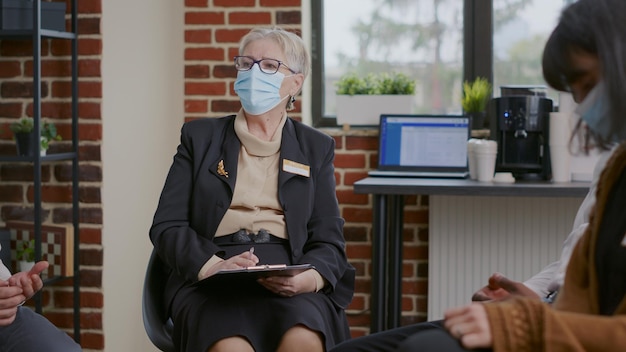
{"type": "Point", "coordinates": [356, 153]}
{"type": "Point", "coordinates": [212, 31]}
{"type": "Point", "coordinates": [16, 190]}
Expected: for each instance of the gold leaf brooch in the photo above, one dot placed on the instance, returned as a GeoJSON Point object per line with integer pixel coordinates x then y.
{"type": "Point", "coordinates": [220, 169]}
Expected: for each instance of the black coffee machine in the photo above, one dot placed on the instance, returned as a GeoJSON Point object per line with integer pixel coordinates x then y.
{"type": "Point", "coordinates": [521, 126]}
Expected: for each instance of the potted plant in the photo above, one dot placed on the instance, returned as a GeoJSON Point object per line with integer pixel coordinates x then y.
{"type": "Point", "coordinates": [22, 132]}
{"type": "Point", "coordinates": [476, 95]}
{"type": "Point", "coordinates": [48, 134]}
{"type": "Point", "coordinates": [23, 129]}
{"type": "Point", "coordinates": [361, 100]}
{"type": "Point", "coordinates": [26, 255]}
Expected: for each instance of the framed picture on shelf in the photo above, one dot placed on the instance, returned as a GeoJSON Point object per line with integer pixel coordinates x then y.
{"type": "Point", "coordinates": [57, 245]}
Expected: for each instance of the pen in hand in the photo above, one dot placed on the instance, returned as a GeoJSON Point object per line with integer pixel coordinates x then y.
{"type": "Point", "coordinates": [252, 257]}
{"type": "Point", "coordinates": [251, 252]}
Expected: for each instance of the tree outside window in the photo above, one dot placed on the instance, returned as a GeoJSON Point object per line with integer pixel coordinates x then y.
{"type": "Point", "coordinates": [424, 39]}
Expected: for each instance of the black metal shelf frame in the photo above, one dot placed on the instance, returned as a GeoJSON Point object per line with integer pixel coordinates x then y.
{"type": "Point", "coordinates": [36, 35]}
{"type": "Point", "coordinates": [28, 34]}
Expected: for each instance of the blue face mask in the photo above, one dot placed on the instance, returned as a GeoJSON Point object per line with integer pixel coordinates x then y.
{"type": "Point", "coordinates": [594, 110]}
{"type": "Point", "coordinates": [258, 91]}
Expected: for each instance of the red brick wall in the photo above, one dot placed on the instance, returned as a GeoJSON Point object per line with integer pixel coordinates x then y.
{"type": "Point", "coordinates": [212, 32]}
{"type": "Point", "coordinates": [16, 190]}
{"type": "Point", "coordinates": [356, 153]}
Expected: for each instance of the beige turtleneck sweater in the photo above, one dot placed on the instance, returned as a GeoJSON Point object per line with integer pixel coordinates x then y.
{"type": "Point", "coordinates": [255, 202]}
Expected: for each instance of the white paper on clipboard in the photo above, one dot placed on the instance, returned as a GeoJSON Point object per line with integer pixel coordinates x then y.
{"type": "Point", "coordinates": [255, 272]}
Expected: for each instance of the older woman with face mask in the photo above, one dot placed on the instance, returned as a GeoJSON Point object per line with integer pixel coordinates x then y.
{"type": "Point", "coordinates": [251, 189]}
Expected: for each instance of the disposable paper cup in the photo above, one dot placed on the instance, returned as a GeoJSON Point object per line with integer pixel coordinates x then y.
{"type": "Point", "coordinates": [566, 102]}
{"type": "Point", "coordinates": [471, 158]}
{"type": "Point", "coordinates": [560, 159]}
{"type": "Point", "coordinates": [486, 165]}
{"type": "Point", "coordinates": [559, 128]}
{"type": "Point", "coordinates": [484, 145]}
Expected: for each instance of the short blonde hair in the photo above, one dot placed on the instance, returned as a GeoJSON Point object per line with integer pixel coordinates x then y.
{"type": "Point", "coordinates": [296, 55]}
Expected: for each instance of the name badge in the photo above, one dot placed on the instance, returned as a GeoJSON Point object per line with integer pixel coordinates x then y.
{"type": "Point", "coordinates": [296, 168]}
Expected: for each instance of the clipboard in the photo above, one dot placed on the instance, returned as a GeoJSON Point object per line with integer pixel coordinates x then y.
{"type": "Point", "coordinates": [252, 273]}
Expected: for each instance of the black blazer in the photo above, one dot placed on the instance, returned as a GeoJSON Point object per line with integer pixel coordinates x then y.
{"type": "Point", "coordinates": [195, 198]}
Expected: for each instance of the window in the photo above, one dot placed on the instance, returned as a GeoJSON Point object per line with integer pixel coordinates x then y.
{"type": "Point", "coordinates": [520, 33]}
{"type": "Point", "coordinates": [439, 43]}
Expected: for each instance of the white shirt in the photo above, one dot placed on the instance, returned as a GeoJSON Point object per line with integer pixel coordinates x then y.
{"type": "Point", "coordinates": [5, 274]}
{"type": "Point", "coordinates": [551, 277]}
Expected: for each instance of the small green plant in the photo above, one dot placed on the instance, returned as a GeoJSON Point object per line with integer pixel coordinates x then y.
{"type": "Point", "coordinates": [48, 134]}
{"type": "Point", "coordinates": [48, 130]}
{"type": "Point", "coordinates": [396, 84]}
{"type": "Point", "coordinates": [476, 95]}
{"type": "Point", "coordinates": [23, 125]}
{"type": "Point", "coordinates": [26, 251]}
{"type": "Point", "coordinates": [382, 84]}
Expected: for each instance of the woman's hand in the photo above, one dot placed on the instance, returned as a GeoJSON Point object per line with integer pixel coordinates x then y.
{"type": "Point", "coordinates": [501, 287]}
{"type": "Point", "coordinates": [470, 325]}
{"type": "Point", "coordinates": [29, 281]}
{"type": "Point", "coordinates": [10, 298]}
{"type": "Point", "coordinates": [288, 286]}
{"type": "Point", "coordinates": [240, 261]}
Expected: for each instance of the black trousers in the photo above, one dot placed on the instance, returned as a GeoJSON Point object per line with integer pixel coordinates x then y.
{"type": "Point", "coordinates": [31, 332]}
{"type": "Point", "coordinates": [388, 340]}
{"type": "Point", "coordinates": [433, 341]}
{"type": "Point", "coordinates": [428, 336]}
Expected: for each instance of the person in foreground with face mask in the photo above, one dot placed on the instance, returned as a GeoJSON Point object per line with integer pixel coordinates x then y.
{"type": "Point", "coordinates": [251, 189]}
{"type": "Point", "coordinates": [585, 54]}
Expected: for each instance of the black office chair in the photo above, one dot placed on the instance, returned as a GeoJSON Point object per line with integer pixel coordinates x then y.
{"type": "Point", "coordinates": [158, 325]}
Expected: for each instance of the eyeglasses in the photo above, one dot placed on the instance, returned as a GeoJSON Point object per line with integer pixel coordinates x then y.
{"type": "Point", "coordinates": [269, 66]}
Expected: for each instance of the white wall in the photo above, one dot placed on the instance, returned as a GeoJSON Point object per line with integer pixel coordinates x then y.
{"type": "Point", "coordinates": [142, 111]}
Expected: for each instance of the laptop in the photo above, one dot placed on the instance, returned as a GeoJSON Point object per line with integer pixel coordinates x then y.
{"type": "Point", "coordinates": [423, 146]}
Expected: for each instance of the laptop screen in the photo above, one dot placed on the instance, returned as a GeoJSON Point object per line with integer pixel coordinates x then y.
{"type": "Point", "coordinates": [423, 142]}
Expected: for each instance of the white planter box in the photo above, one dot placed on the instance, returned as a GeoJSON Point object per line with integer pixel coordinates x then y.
{"type": "Point", "coordinates": [366, 109]}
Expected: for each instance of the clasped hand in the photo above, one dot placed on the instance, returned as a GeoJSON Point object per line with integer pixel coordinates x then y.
{"type": "Point", "coordinates": [501, 287]}
{"type": "Point", "coordinates": [288, 286]}
{"type": "Point", "coordinates": [470, 324]}
{"type": "Point", "coordinates": [17, 289]}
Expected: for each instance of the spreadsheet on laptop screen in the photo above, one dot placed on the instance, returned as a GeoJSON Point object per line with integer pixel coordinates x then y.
{"type": "Point", "coordinates": [424, 141]}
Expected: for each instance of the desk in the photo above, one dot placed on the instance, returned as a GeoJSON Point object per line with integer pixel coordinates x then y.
{"type": "Point", "coordinates": [388, 222]}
